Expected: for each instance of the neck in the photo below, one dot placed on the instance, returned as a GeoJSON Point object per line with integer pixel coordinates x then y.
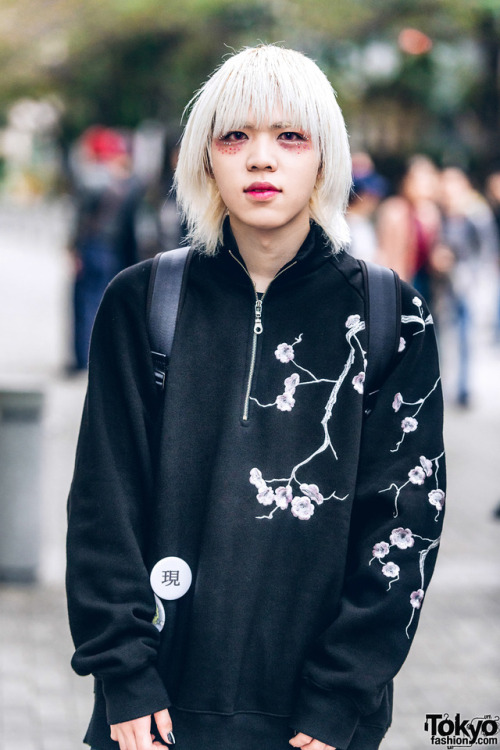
{"type": "Point", "coordinates": [265, 252]}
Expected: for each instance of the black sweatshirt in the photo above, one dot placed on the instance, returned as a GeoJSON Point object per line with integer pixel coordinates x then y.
{"type": "Point", "coordinates": [311, 530]}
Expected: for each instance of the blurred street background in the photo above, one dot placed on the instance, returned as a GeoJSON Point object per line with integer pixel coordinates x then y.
{"type": "Point", "coordinates": [91, 97]}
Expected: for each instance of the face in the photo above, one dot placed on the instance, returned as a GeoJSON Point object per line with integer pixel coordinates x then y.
{"type": "Point", "coordinates": [266, 175]}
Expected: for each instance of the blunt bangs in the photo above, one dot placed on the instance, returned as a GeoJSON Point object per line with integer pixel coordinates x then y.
{"type": "Point", "coordinates": [259, 87]}
{"type": "Point", "coordinates": [252, 86]}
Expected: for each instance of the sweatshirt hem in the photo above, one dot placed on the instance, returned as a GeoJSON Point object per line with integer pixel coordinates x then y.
{"type": "Point", "coordinates": [253, 712]}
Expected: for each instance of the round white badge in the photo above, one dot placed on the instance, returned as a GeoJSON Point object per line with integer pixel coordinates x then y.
{"type": "Point", "coordinates": [171, 578]}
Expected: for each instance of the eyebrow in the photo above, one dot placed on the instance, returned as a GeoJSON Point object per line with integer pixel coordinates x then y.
{"type": "Point", "coordinates": [274, 126]}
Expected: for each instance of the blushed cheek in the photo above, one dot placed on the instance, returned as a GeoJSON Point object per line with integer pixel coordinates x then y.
{"type": "Point", "coordinates": [297, 148]}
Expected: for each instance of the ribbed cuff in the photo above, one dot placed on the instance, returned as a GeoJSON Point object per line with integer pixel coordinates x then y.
{"type": "Point", "coordinates": [324, 715]}
{"type": "Point", "coordinates": [135, 695]}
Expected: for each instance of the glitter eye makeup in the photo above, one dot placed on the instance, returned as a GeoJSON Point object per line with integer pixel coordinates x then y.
{"type": "Point", "coordinates": [230, 143]}
{"type": "Point", "coordinates": [295, 141]}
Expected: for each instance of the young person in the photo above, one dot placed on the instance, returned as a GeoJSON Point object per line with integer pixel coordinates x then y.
{"type": "Point", "coordinates": [300, 531]}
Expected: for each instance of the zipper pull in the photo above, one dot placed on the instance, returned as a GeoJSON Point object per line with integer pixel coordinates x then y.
{"type": "Point", "coordinates": [258, 328]}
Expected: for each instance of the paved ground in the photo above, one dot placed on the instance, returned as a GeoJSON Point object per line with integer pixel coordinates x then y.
{"type": "Point", "coordinates": [455, 662]}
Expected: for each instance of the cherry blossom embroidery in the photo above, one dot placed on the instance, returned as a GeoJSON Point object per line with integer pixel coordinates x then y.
{"type": "Point", "coordinates": [417, 476]}
{"type": "Point", "coordinates": [312, 491]}
{"type": "Point", "coordinates": [391, 570]}
{"type": "Point", "coordinates": [285, 402]}
{"type": "Point", "coordinates": [419, 319]}
{"type": "Point", "coordinates": [416, 598]}
{"type": "Point", "coordinates": [398, 400]}
{"type": "Point", "coordinates": [380, 550]}
{"type": "Point", "coordinates": [284, 496]}
{"type": "Point", "coordinates": [284, 353]}
{"type": "Point", "coordinates": [436, 497]}
{"type": "Point", "coordinates": [402, 345]}
{"type": "Point", "coordinates": [302, 508]}
{"type": "Point", "coordinates": [403, 539]}
{"type": "Point", "coordinates": [358, 382]}
{"type": "Point", "coordinates": [410, 424]}
{"type": "Point", "coordinates": [426, 466]}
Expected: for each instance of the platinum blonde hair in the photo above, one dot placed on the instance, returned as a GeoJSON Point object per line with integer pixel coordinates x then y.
{"type": "Point", "coordinates": [260, 79]}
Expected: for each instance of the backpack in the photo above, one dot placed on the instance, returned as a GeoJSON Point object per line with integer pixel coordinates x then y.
{"type": "Point", "coordinates": [383, 313]}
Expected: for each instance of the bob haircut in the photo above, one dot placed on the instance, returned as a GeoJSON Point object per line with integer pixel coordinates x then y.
{"type": "Point", "coordinates": [260, 79]}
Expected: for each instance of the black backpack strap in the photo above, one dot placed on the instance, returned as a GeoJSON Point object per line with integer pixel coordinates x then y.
{"type": "Point", "coordinates": [383, 315]}
{"type": "Point", "coordinates": [164, 296]}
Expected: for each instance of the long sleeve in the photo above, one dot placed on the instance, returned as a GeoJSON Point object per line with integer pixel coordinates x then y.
{"type": "Point", "coordinates": [394, 537]}
{"type": "Point", "coordinates": [111, 605]}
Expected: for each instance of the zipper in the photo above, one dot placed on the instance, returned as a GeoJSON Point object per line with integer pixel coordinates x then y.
{"type": "Point", "coordinates": [258, 328]}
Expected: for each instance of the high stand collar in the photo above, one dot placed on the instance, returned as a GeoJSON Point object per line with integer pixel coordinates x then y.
{"type": "Point", "coordinates": [314, 251]}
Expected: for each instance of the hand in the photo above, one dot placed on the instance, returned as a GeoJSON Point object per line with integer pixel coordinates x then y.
{"type": "Point", "coordinates": [136, 734]}
{"type": "Point", "coordinates": [307, 743]}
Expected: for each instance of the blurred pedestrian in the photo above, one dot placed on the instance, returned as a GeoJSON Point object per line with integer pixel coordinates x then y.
{"type": "Point", "coordinates": [209, 599]}
{"type": "Point", "coordinates": [455, 263]}
{"type": "Point", "coordinates": [408, 224]}
{"type": "Point", "coordinates": [493, 197]}
{"type": "Point", "coordinates": [172, 228]}
{"type": "Point", "coordinates": [368, 189]}
{"type": "Point", "coordinates": [103, 241]}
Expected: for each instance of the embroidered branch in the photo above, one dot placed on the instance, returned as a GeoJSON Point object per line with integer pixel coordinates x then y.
{"type": "Point", "coordinates": [303, 506]}
{"type": "Point", "coordinates": [404, 539]}
{"type": "Point", "coordinates": [417, 476]}
{"type": "Point", "coordinates": [410, 424]}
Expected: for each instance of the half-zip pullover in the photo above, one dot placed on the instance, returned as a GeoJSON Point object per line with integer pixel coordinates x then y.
{"type": "Point", "coordinates": [258, 328]}
{"type": "Point", "coordinates": [311, 532]}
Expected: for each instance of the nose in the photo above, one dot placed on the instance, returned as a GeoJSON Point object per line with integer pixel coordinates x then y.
{"type": "Point", "coordinates": [261, 155]}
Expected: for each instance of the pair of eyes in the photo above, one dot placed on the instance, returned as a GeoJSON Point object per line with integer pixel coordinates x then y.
{"type": "Point", "coordinates": [289, 136]}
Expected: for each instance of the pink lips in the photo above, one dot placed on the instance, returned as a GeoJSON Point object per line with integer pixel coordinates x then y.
{"type": "Point", "coordinates": [261, 191]}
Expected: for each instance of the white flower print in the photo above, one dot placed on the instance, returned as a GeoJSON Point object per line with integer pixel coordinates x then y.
{"type": "Point", "coordinates": [402, 538]}
{"type": "Point", "coordinates": [283, 496]}
{"type": "Point", "coordinates": [285, 402]}
{"type": "Point", "coordinates": [381, 550]}
{"type": "Point", "coordinates": [358, 382]}
{"type": "Point", "coordinates": [284, 353]}
{"type": "Point", "coordinates": [437, 497]}
{"type": "Point", "coordinates": [256, 478]}
{"type": "Point", "coordinates": [391, 570]}
{"type": "Point", "coordinates": [416, 598]}
{"type": "Point", "coordinates": [352, 321]}
{"type": "Point", "coordinates": [417, 475]}
{"type": "Point", "coordinates": [292, 382]}
{"type": "Point", "coordinates": [409, 424]}
{"type": "Point", "coordinates": [423, 322]}
{"type": "Point", "coordinates": [312, 491]}
{"type": "Point", "coordinates": [302, 508]}
{"type": "Point", "coordinates": [405, 539]}
{"type": "Point", "coordinates": [398, 400]}
{"type": "Point", "coordinates": [426, 466]}
{"type": "Point", "coordinates": [266, 496]}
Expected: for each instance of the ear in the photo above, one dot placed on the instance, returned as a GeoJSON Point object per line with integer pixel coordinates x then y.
{"type": "Point", "coordinates": [207, 165]}
{"type": "Point", "coordinates": [319, 176]}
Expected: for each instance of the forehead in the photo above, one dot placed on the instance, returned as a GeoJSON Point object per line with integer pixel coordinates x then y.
{"type": "Point", "coordinates": [275, 116]}
{"type": "Point", "coordinates": [273, 120]}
